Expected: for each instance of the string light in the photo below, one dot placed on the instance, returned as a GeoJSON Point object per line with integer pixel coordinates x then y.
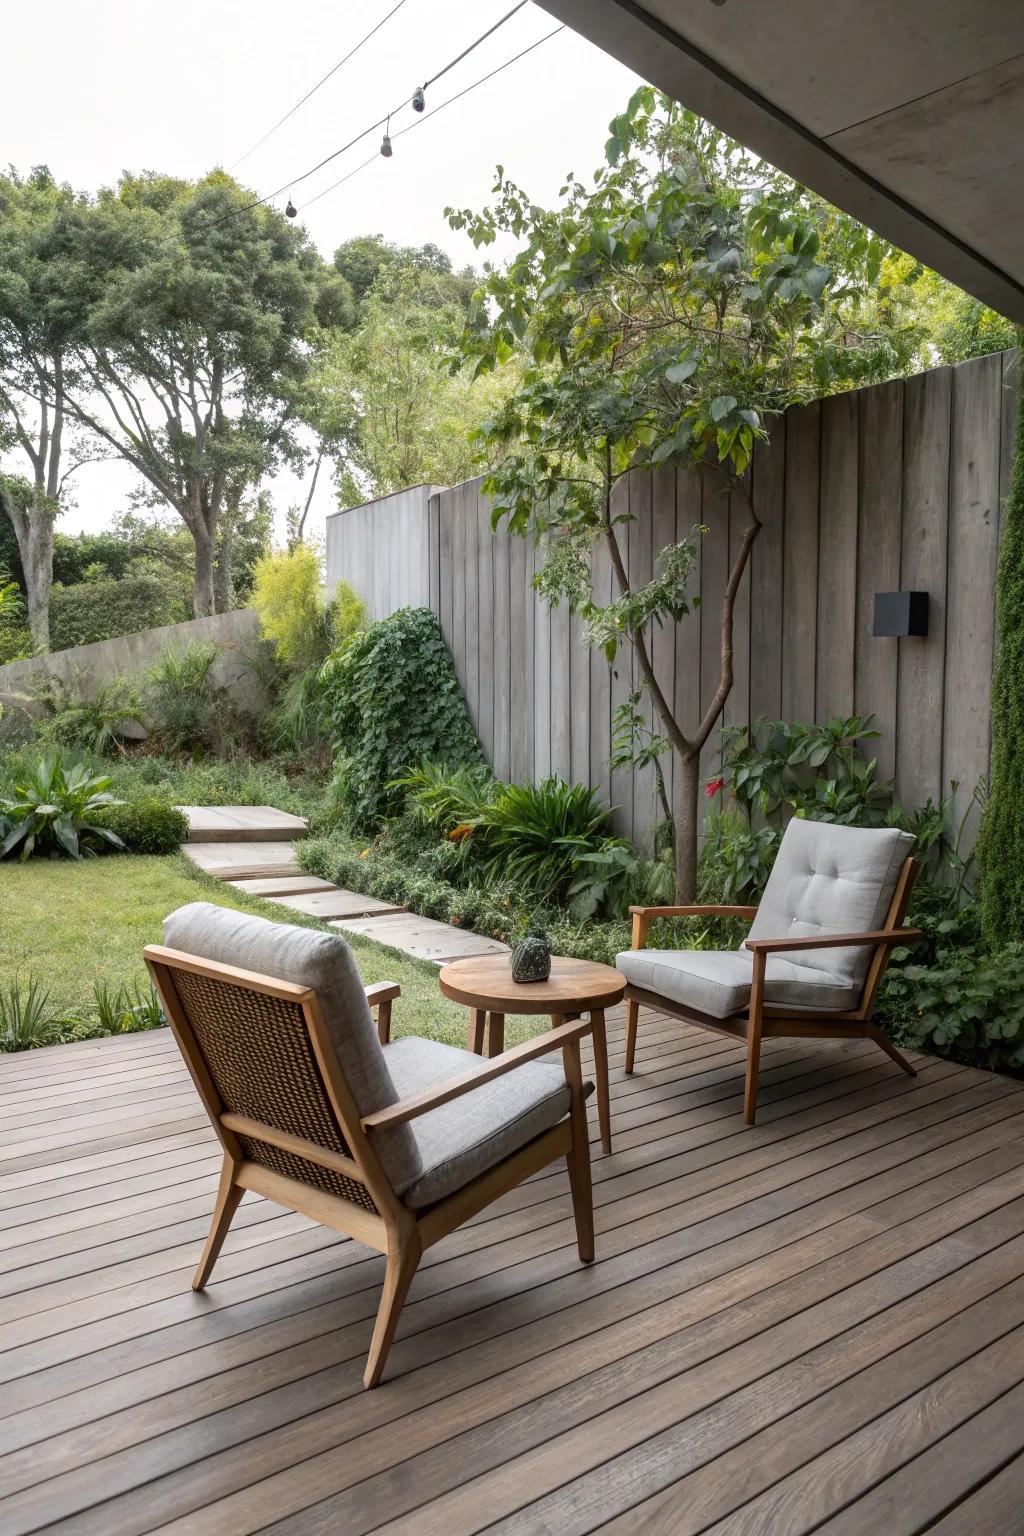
{"type": "Point", "coordinates": [419, 100]}
{"type": "Point", "coordinates": [382, 122]}
{"type": "Point", "coordinates": [420, 122]}
{"type": "Point", "coordinates": [313, 90]}
{"type": "Point", "coordinates": [385, 147]}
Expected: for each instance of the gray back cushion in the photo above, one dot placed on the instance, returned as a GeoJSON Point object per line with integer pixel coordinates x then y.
{"type": "Point", "coordinates": [831, 879]}
{"type": "Point", "coordinates": [324, 962]}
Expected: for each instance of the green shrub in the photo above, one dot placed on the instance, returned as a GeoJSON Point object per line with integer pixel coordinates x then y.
{"type": "Point", "coordinates": [102, 610]}
{"type": "Point", "coordinates": [1001, 843]}
{"type": "Point", "coordinates": [91, 722]}
{"type": "Point", "coordinates": [149, 825]}
{"type": "Point", "coordinates": [26, 1018]}
{"type": "Point", "coordinates": [184, 702]}
{"type": "Point", "coordinates": [392, 702]}
{"type": "Point", "coordinates": [54, 810]}
{"type": "Point", "coordinates": [294, 615]}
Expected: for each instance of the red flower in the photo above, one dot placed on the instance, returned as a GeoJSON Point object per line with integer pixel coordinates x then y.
{"type": "Point", "coordinates": [712, 787]}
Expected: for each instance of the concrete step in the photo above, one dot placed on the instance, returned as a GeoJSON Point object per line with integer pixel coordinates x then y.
{"type": "Point", "coordinates": [422, 937]}
{"type": "Point", "coordinates": [241, 824]}
{"type": "Point", "coordinates": [244, 861]}
{"type": "Point", "coordinates": [283, 885]}
{"type": "Point", "coordinates": [335, 903]}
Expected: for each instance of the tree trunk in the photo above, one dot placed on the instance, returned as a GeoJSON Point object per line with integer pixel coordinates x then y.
{"type": "Point", "coordinates": [686, 815]}
{"type": "Point", "coordinates": [203, 604]}
{"type": "Point", "coordinates": [223, 587]}
{"type": "Point", "coordinates": [33, 529]}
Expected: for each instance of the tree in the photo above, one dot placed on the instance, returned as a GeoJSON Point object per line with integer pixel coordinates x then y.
{"type": "Point", "coordinates": [35, 328]}
{"type": "Point", "coordinates": [669, 311]}
{"type": "Point", "coordinates": [383, 401]}
{"type": "Point", "coordinates": [1001, 841]}
{"type": "Point", "coordinates": [369, 264]}
{"type": "Point", "coordinates": [195, 309]}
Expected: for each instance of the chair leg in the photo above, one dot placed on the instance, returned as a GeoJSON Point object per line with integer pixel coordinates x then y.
{"type": "Point", "coordinates": [228, 1196]}
{"type": "Point", "coordinates": [754, 1025]}
{"type": "Point", "coordinates": [632, 1019]}
{"type": "Point", "coordinates": [403, 1257]}
{"type": "Point", "coordinates": [885, 1044]}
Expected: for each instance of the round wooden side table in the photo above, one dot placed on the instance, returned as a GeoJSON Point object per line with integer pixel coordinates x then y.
{"type": "Point", "coordinates": [575, 988]}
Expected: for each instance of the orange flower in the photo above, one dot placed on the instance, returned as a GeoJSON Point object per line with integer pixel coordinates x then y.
{"type": "Point", "coordinates": [460, 833]}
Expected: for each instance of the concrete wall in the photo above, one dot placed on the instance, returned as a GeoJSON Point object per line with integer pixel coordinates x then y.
{"type": "Point", "coordinates": [895, 486]}
{"type": "Point", "coordinates": [386, 544]}
{"type": "Point", "coordinates": [86, 666]}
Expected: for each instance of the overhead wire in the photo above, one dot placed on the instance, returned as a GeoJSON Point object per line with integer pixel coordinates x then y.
{"type": "Point", "coordinates": [323, 81]}
{"type": "Point", "coordinates": [295, 181]}
{"type": "Point", "coordinates": [420, 122]}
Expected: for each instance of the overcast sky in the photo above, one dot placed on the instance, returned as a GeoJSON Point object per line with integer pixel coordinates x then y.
{"type": "Point", "coordinates": [93, 87]}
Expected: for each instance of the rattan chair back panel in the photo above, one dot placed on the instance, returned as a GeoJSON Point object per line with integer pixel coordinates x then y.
{"type": "Point", "coordinates": [258, 1052]}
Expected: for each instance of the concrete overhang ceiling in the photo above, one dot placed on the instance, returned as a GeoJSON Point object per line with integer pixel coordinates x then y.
{"type": "Point", "coordinates": [910, 116]}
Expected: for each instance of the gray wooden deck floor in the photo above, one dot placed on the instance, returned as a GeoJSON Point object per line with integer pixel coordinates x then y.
{"type": "Point", "coordinates": [814, 1325]}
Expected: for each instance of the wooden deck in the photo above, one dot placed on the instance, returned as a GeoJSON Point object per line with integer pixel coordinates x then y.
{"type": "Point", "coordinates": [814, 1325]}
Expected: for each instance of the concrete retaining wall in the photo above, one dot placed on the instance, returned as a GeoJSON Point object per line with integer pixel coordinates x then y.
{"type": "Point", "coordinates": [86, 667]}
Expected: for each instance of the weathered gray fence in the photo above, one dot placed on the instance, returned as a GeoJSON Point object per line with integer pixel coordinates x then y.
{"type": "Point", "coordinates": [895, 486]}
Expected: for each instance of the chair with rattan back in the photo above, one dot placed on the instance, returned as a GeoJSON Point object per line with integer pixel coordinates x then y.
{"type": "Point", "coordinates": [320, 1113]}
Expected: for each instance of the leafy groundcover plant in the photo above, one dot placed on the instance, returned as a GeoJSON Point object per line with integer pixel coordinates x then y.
{"type": "Point", "coordinates": [54, 811]}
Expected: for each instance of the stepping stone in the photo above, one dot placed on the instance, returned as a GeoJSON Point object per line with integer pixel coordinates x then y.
{"type": "Point", "coordinates": [283, 885]}
{"type": "Point", "coordinates": [422, 937]}
{"type": "Point", "coordinates": [335, 903]}
{"type": "Point", "coordinates": [241, 823]}
{"type": "Point", "coordinates": [244, 861]}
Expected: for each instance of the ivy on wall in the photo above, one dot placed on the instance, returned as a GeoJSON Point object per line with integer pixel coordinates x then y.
{"type": "Point", "coordinates": [392, 701]}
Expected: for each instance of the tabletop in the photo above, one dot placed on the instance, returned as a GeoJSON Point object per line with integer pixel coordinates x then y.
{"type": "Point", "coordinates": [574, 986]}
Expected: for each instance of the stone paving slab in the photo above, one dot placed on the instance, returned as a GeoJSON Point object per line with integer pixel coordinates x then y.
{"type": "Point", "coordinates": [244, 861]}
{"type": "Point", "coordinates": [283, 885]}
{"type": "Point", "coordinates": [241, 823]}
{"type": "Point", "coordinates": [422, 937]}
{"type": "Point", "coordinates": [336, 903]}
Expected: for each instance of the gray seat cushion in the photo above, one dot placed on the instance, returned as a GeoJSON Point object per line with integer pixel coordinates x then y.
{"type": "Point", "coordinates": [323, 962]}
{"type": "Point", "coordinates": [462, 1139]}
{"type": "Point", "coordinates": [718, 981]}
{"type": "Point", "coordinates": [831, 879]}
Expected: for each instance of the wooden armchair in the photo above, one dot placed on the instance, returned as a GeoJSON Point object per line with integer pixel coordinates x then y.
{"type": "Point", "coordinates": [818, 947]}
{"type": "Point", "coordinates": [319, 1111]}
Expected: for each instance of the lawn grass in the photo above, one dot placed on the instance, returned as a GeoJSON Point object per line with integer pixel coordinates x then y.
{"type": "Point", "coordinates": [72, 924]}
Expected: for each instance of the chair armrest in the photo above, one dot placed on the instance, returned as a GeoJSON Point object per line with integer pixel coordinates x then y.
{"type": "Point", "coordinates": [380, 996]}
{"type": "Point", "coordinates": [836, 940]}
{"type": "Point", "coordinates": [643, 917]}
{"type": "Point", "coordinates": [443, 1093]}
{"type": "Point", "coordinates": [382, 992]}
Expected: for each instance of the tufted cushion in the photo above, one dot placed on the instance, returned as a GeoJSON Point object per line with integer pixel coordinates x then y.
{"type": "Point", "coordinates": [462, 1139]}
{"type": "Point", "coordinates": [718, 981]}
{"type": "Point", "coordinates": [831, 879]}
{"type": "Point", "coordinates": [323, 962]}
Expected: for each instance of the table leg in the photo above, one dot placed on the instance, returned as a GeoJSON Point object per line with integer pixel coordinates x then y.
{"type": "Point", "coordinates": [604, 1105]}
{"type": "Point", "coordinates": [495, 1034]}
{"type": "Point", "coordinates": [476, 1031]}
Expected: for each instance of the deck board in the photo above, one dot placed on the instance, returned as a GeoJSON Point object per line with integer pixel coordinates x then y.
{"type": "Point", "coordinates": [817, 1320]}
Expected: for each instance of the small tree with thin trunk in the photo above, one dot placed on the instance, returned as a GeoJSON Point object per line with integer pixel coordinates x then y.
{"type": "Point", "coordinates": [668, 313]}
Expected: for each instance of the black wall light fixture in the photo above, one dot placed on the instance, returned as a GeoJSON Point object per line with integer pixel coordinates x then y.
{"type": "Point", "coordinates": [900, 613]}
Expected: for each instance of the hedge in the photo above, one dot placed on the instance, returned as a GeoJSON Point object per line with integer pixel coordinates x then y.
{"type": "Point", "coordinates": [102, 610]}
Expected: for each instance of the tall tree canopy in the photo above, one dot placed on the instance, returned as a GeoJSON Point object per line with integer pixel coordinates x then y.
{"type": "Point", "coordinates": [382, 398]}
{"type": "Point", "coordinates": [191, 339]}
{"type": "Point", "coordinates": [669, 310]}
{"type": "Point", "coordinates": [37, 321]}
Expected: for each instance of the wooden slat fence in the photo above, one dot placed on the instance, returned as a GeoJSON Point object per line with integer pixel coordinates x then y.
{"type": "Point", "coordinates": [898, 485]}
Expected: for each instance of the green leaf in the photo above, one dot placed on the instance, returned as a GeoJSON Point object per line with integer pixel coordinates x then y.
{"type": "Point", "coordinates": [678, 373]}
{"type": "Point", "coordinates": [721, 406]}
